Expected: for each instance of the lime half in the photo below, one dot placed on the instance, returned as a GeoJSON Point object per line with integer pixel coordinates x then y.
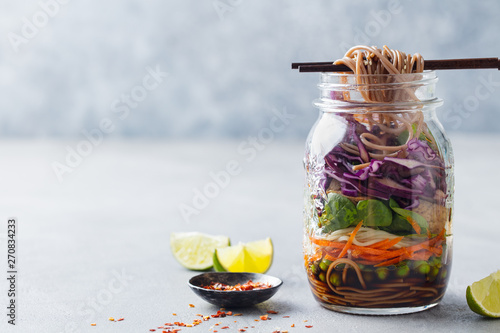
{"type": "Point", "coordinates": [252, 257]}
{"type": "Point", "coordinates": [483, 296]}
{"type": "Point", "coordinates": [195, 250]}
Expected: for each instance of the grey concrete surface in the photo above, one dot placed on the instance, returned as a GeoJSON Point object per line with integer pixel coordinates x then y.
{"type": "Point", "coordinates": [96, 245]}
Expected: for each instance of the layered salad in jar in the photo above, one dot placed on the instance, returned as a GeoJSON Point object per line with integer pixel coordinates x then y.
{"type": "Point", "coordinates": [378, 212]}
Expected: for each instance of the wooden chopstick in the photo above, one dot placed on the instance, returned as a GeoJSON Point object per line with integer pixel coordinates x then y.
{"type": "Point", "coordinates": [471, 63]}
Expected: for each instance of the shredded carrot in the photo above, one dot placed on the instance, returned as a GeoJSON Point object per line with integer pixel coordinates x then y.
{"type": "Point", "coordinates": [391, 243]}
{"type": "Point", "coordinates": [393, 261]}
{"type": "Point", "coordinates": [334, 253]}
{"type": "Point", "coordinates": [421, 255]}
{"type": "Point", "coordinates": [379, 244]}
{"type": "Point", "coordinates": [441, 234]}
{"type": "Point", "coordinates": [329, 257]}
{"type": "Point", "coordinates": [365, 250]}
{"type": "Point", "coordinates": [324, 242]}
{"type": "Point", "coordinates": [414, 224]}
{"type": "Point", "coordinates": [351, 239]}
{"type": "Point", "coordinates": [317, 255]}
{"type": "Point", "coordinates": [378, 254]}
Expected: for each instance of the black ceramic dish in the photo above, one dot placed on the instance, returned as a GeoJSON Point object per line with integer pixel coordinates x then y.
{"type": "Point", "coordinates": [234, 298]}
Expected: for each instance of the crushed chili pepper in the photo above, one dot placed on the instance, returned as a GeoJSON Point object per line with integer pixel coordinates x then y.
{"type": "Point", "coordinates": [272, 312]}
{"type": "Point", "coordinates": [265, 317]}
{"type": "Point", "coordinates": [309, 326]}
{"type": "Point", "coordinates": [250, 285]}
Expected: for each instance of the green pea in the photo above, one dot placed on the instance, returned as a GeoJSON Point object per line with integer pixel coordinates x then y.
{"type": "Point", "coordinates": [314, 269]}
{"type": "Point", "coordinates": [415, 264]}
{"type": "Point", "coordinates": [403, 271]}
{"type": "Point", "coordinates": [324, 264]}
{"type": "Point", "coordinates": [335, 279]}
{"type": "Point", "coordinates": [322, 276]}
{"type": "Point", "coordinates": [444, 273]}
{"type": "Point", "coordinates": [382, 273]}
{"type": "Point", "coordinates": [433, 272]}
{"type": "Point", "coordinates": [340, 267]}
{"type": "Point", "coordinates": [424, 268]}
{"type": "Point", "coordinates": [435, 261]}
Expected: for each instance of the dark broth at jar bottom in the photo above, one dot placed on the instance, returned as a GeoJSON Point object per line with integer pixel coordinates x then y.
{"type": "Point", "coordinates": [408, 284]}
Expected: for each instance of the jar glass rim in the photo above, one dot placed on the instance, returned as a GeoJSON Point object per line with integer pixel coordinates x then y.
{"type": "Point", "coordinates": [335, 86]}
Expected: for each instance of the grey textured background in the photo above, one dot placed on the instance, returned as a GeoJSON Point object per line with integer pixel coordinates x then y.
{"type": "Point", "coordinates": [228, 67]}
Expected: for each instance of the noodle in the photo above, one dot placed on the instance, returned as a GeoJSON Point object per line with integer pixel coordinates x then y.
{"type": "Point", "coordinates": [396, 292]}
{"type": "Point", "coordinates": [363, 60]}
{"type": "Point", "coordinates": [368, 236]}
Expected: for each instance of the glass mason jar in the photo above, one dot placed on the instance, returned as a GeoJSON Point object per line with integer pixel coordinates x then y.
{"type": "Point", "coordinates": [378, 195]}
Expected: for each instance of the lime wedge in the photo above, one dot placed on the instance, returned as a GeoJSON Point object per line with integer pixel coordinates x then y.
{"type": "Point", "coordinates": [483, 296]}
{"type": "Point", "coordinates": [194, 250]}
{"type": "Point", "coordinates": [253, 257]}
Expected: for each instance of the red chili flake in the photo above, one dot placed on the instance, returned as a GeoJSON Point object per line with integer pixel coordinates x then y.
{"type": "Point", "coordinates": [250, 285]}
{"type": "Point", "coordinates": [272, 312]}
{"type": "Point", "coordinates": [238, 314]}
{"type": "Point", "coordinates": [293, 325]}
{"type": "Point", "coordinates": [224, 327]}
{"type": "Point", "coordinates": [242, 330]}
{"type": "Point", "coordinates": [229, 313]}
{"type": "Point", "coordinates": [309, 326]}
{"type": "Point", "coordinates": [120, 319]}
{"type": "Point", "coordinates": [191, 305]}
{"type": "Point", "coordinates": [264, 317]}
{"type": "Point", "coordinates": [93, 324]}
{"type": "Point", "coordinates": [152, 330]}
{"type": "Point", "coordinates": [286, 316]}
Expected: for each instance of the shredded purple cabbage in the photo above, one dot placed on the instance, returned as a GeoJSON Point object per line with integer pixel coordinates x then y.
{"type": "Point", "coordinates": [404, 179]}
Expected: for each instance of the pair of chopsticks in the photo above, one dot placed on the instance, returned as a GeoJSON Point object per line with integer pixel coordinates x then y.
{"type": "Point", "coordinates": [471, 63]}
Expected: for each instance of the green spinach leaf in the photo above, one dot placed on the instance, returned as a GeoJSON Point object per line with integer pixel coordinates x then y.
{"type": "Point", "coordinates": [339, 213]}
{"type": "Point", "coordinates": [374, 213]}
{"type": "Point", "coordinates": [406, 214]}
